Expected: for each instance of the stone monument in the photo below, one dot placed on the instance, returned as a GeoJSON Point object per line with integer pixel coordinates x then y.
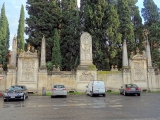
{"type": "Point", "coordinates": [86, 71]}
{"type": "Point", "coordinates": [28, 69]}
{"type": "Point", "coordinates": [12, 66]}
{"type": "Point", "coordinates": [43, 56]}
{"type": "Point", "coordinates": [150, 69]}
{"type": "Point", "coordinates": [86, 49]}
{"type": "Point", "coordinates": [14, 52]}
{"type": "Point", "coordinates": [125, 65]}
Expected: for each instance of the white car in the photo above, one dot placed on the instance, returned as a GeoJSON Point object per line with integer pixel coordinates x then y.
{"type": "Point", "coordinates": [58, 90]}
{"type": "Point", "coordinates": [96, 88]}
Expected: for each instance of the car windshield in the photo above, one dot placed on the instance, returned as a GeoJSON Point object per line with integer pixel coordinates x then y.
{"type": "Point", "coordinates": [16, 88]}
{"type": "Point", "coordinates": [131, 85]}
{"type": "Point", "coordinates": [59, 86]}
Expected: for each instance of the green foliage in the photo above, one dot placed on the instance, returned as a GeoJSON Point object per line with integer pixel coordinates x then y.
{"type": "Point", "coordinates": [155, 42]}
{"type": "Point", "coordinates": [44, 17]}
{"type": "Point", "coordinates": [126, 27]}
{"type": "Point", "coordinates": [20, 32]}
{"type": "Point", "coordinates": [151, 16]}
{"type": "Point", "coordinates": [4, 38]}
{"type": "Point", "coordinates": [108, 21]}
{"type": "Point", "coordinates": [76, 63]}
{"type": "Point", "coordinates": [70, 34]}
{"type": "Point", "coordinates": [56, 52]}
{"type": "Point", "coordinates": [113, 35]}
{"type": "Point", "coordinates": [94, 16]}
{"type": "Point", "coordinates": [150, 12]}
{"type": "Point", "coordinates": [49, 66]}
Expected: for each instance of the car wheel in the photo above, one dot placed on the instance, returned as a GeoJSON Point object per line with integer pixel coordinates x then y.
{"type": "Point", "coordinates": [5, 100]}
{"type": "Point", "coordinates": [104, 95]}
{"type": "Point", "coordinates": [24, 97]}
{"type": "Point", "coordinates": [51, 96]}
{"type": "Point", "coordinates": [139, 94]}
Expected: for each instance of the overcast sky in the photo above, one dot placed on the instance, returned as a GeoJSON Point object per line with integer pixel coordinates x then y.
{"type": "Point", "coordinates": [12, 8]}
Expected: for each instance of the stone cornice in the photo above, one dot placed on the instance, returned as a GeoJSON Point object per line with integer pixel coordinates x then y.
{"type": "Point", "coordinates": [28, 54]}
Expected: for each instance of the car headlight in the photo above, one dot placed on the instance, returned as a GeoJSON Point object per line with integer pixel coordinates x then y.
{"type": "Point", "coordinates": [21, 94]}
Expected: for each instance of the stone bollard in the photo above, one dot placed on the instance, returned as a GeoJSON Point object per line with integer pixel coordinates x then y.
{"type": "Point", "coordinates": [44, 91]}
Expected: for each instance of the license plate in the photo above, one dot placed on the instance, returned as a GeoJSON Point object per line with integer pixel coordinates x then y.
{"type": "Point", "coordinates": [12, 96]}
{"type": "Point", "coordinates": [132, 88]}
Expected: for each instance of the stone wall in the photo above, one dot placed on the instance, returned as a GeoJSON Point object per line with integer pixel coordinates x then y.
{"type": "Point", "coordinates": [112, 79]}
{"type": "Point", "coordinates": [68, 78]}
{"type": "Point", "coordinates": [2, 82]}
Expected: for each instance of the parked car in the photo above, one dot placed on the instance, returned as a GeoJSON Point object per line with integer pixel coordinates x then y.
{"type": "Point", "coordinates": [96, 88]}
{"type": "Point", "coordinates": [128, 89]}
{"type": "Point", "coordinates": [16, 92]}
{"type": "Point", "coordinates": [58, 90]}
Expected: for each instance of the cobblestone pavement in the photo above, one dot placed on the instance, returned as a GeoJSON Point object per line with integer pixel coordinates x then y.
{"type": "Point", "coordinates": [82, 107]}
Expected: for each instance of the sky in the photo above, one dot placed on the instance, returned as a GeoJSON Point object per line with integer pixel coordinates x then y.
{"type": "Point", "coordinates": [13, 7]}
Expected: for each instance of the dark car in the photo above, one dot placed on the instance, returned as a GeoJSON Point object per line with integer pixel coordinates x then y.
{"type": "Point", "coordinates": [16, 92]}
{"type": "Point", "coordinates": [128, 89]}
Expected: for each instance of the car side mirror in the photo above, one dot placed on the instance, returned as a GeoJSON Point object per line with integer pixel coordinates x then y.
{"type": "Point", "coordinates": [86, 86]}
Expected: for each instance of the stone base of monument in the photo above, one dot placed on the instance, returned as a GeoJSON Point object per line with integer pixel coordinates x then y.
{"type": "Point", "coordinates": [85, 74]}
{"type": "Point", "coordinates": [87, 67]}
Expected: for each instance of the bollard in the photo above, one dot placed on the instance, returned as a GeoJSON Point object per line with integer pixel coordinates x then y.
{"type": "Point", "coordinates": [44, 91]}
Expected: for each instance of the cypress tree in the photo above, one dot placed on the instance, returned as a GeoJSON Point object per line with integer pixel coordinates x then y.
{"type": "Point", "coordinates": [4, 38]}
{"type": "Point", "coordinates": [113, 47]}
{"type": "Point", "coordinates": [138, 28]}
{"type": "Point", "coordinates": [56, 52]}
{"type": "Point", "coordinates": [153, 38]}
{"type": "Point", "coordinates": [20, 32]}
{"type": "Point", "coordinates": [83, 4]}
{"type": "Point", "coordinates": [70, 34]}
{"type": "Point", "coordinates": [150, 12]}
{"type": "Point", "coordinates": [151, 16]}
{"type": "Point", "coordinates": [126, 27]}
{"type": "Point", "coordinates": [44, 17]}
{"type": "Point", "coordinates": [94, 12]}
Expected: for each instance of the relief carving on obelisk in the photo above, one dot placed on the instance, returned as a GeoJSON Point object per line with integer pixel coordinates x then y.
{"type": "Point", "coordinates": [86, 48]}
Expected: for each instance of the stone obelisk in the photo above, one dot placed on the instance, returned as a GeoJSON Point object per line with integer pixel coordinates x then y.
{"type": "Point", "coordinates": [126, 68]}
{"type": "Point", "coordinates": [14, 52]}
{"type": "Point", "coordinates": [43, 55]}
{"type": "Point", "coordinates": [125, 54]}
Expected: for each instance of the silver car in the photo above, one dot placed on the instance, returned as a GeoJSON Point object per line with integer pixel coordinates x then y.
{"type": "Point", "coordinates": [58, 90]}
{"type": "Point", "coordinates": [128, 89]}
